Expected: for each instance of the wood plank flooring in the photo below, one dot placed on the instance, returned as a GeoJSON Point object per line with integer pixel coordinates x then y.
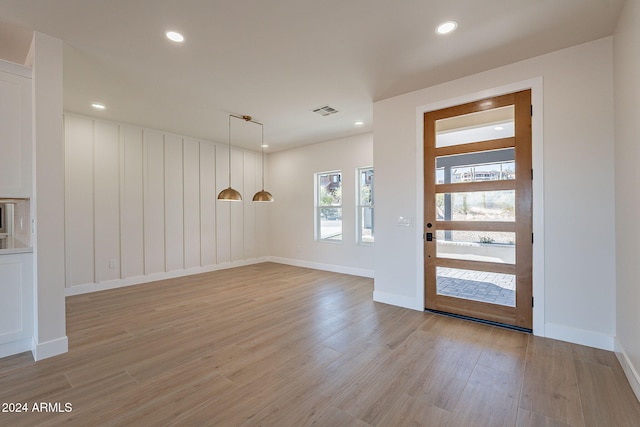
{"type": "Point", "coordinates": [275, 345]}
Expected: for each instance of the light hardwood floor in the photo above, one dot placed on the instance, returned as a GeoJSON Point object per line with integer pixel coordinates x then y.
{"type": "Point", "coordinates": [275, 345]}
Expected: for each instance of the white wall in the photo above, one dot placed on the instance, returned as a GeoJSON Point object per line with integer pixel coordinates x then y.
{"type": "Point", "coordinates": [48, 202]}
{"type": "Point", "coordinates": [291, 181]}
{"type": "Point", "coordinates": [627, 160]}
{"type": "Point", "coordinates": [579, 256]}
{"type": "Point", "coordinates": [141, 205]}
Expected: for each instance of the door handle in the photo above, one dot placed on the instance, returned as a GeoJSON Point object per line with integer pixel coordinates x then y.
{"type": "Point", "coordinates": [429, 237]}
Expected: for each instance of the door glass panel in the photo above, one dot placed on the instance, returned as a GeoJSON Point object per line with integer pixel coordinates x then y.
{"type": "Point", "coordinates": [495, 288]}
{"type": "Point", "coordinates": [493, 165]}
{"type": "Point", "coordinates": [475, 127]}
{"type": "Point", "coordinates": [476, 206]}
{"type": "Point", "coordinates": [484, 246]}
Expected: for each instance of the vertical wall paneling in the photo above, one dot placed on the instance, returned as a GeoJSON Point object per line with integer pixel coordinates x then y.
{"type": "Point", "coordinates": [106, 201]}
{"type": "Point", "coordinates": [143, 202]}
{"type": "Point", "coordinates": [223, 209]}
{"type": "Point", "coordinates": [79, 218]}
{"type": "Point", "coordinates": [237, 209]}
{"type": "Point", "coordinates": [174, 202]}
{"type": "Point", "coordinates": [154, 239]}
{"type": "Point", "coordinates": [191, 158]}
{"type": "Point", "coordinates": [250, 187]}
{"type": "Point", "coordinates": [207, 203]}
{"type": "Point", "coordinates": [132, 205]}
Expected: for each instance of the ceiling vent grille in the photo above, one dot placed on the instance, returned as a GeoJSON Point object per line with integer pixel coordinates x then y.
{"type": "Point", "coordinates": [325, 110]}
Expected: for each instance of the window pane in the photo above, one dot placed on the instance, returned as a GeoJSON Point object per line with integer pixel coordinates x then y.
{"type": "Point", "coordinates": [330, 224]}
{"type": "Point", "coordinates": [474, 167]}
{"type": "Point", "coordinates": [330, 189]}
{"type": "Point", "coordinates": [477, 246]}
{"type": "Point", "coordinates": [329, 206]}
{"type": "Point", "coordinates": [496, 288]}
{"type": "Point", "coordinates": [366, 231]}
{"type": "Point", "coordinates": [366, 187]}
{"type": "Point", "coordinates": [365, 205]}
{"type": "Point", "coordinates": [477, 206]}
{"type": "Point", "coordinates": [474, 127]}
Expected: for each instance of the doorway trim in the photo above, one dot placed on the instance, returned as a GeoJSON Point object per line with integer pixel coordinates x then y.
{"type": "Point", "coordinates": [538, 284]}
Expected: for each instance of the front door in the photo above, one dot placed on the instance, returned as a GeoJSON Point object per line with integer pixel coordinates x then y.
{"type": "Point", "coordinates": [477, 195]}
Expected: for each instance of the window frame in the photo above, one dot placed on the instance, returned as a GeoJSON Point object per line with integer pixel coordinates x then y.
{"type": "Point", "coordinates": [360, 206]}
{"type": "Point", "coordinates": [318, 207]}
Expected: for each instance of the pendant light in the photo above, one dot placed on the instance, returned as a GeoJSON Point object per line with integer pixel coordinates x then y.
{"type": "Point", "coordinates": [262, 195]}
{"type": "Point", "coordinates": [231, 194]}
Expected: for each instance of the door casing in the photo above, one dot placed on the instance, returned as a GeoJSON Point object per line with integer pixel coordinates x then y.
{"type": "Point", "coordinates": [537, 125]}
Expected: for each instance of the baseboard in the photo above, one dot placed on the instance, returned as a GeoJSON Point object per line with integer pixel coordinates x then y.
{"type": "Point", "coordinates": [49, 348]}
{"type": "Point", "coordinates": [15, 347]}
{"type": "Point", "coordinates": [137, 280]}
{"type": "Point", "coordinates": [629, 370]}
{"type": "Point", "coordinates": [383, 297]}
{"type": "Point", "coordinates": [579, 336]}
{"type": "Point", "coordinates": [398, 300]}
{"type": "Point", "coordinates": [362, 272]}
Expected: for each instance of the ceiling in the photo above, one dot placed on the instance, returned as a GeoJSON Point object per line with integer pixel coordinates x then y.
{"type": "Point", "coordinates": [277, 60]}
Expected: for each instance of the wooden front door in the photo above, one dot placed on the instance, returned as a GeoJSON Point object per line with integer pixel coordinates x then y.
{"type": "Point", "coordinates": [477, 194]}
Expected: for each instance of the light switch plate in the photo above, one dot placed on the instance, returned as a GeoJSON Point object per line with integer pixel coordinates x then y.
{"type": "Point", "coordinates": [404, 221]}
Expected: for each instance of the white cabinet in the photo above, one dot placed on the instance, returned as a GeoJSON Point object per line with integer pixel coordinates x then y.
{"type": "Point", "coordinates": [15, 130]}
{"type": "Point", "coordinates": [16, 303]}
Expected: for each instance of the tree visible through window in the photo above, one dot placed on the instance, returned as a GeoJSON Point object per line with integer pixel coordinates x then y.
{"type": "Point", "coordinates": [329, 206]}
{"type": "Point", "coordinates": [365, 205]}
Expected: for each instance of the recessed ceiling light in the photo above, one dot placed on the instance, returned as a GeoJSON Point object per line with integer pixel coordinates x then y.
{"type": "Point", "coordinates": [498, 128]}
{"type": "Point", "coordinates": [359, 123]}
{"type": "Point", "coordinates": [175, 37]}
{"type": "Point", "coordinates": [264, 145]}
{"type": "Point", "coordinates": [98, 106]}
{"type": "Point", "coordinates": [446, 27]}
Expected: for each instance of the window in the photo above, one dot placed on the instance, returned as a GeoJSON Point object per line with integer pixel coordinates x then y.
{"type": "Point", "coordinates": [365, 205]}
{"type": "Point", "coordinates": [329, 206]}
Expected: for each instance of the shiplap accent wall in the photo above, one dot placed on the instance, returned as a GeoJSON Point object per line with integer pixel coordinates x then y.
{"type": "Point", "coordinates": [140, 204]}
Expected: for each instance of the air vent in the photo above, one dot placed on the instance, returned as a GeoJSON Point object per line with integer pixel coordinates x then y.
{"type": "Point", "coordinates": [325, 110]}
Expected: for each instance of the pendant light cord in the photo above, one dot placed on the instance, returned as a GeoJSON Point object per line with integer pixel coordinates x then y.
{"type": "Point", "coordinates": [229, 151]}
{"type": "Point", "coordinates": [262, 146]}
{"type": "Point", "coordinates": [247, 119]}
